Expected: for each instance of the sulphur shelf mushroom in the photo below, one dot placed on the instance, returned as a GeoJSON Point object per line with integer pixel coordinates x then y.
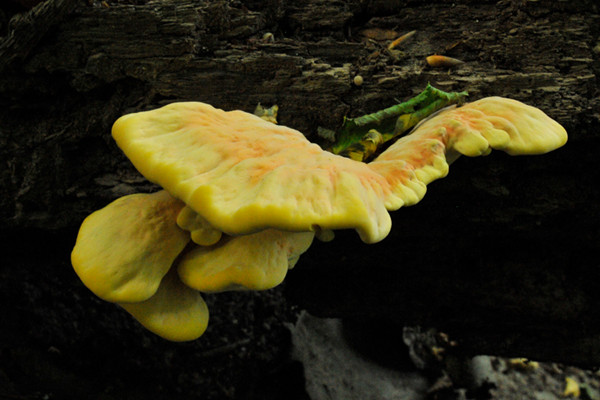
{"type": "Point", "coordinates": [125, 249]}
{"type": "Point", "coordinates": [243, 199]}
{"type": "Point", "coordinates": [257, 261]}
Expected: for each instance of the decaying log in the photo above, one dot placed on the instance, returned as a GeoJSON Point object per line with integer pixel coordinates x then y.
{"type": "Point", "coordinates": [101, 62]}
{"type": "Point", "coordinates": [501, 254]}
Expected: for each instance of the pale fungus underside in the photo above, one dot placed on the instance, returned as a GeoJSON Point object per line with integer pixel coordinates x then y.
{"type": "Point", "coordinates": [243, 199]}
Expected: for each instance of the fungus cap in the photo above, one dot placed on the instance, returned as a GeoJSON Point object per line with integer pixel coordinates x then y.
{"type": "Point", "coordinates": [243, 174]}
{"type": "Point", "coordinates": [124, 249]}
{"type": "Point", "coordinates": [474, 129]}
{"type": "Point", "coordinates": [257, 261]}
{"type": "Point", "coordinates": [175, 312]}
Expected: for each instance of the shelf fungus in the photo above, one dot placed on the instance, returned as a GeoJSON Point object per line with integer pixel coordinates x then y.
{"type": "Point", "coordinates": [243, 198]}
{"type": "Point", "coordinates": [257, 261]}
{"type": "Point", "coordinates": [125, 249]}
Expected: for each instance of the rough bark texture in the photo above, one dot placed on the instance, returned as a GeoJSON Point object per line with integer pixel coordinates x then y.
{"type": "Point", "coordinates": [501, 254]}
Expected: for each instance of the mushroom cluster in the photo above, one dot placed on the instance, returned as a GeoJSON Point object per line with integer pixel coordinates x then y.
{"type": "Point", "coordinates": [243, 198]}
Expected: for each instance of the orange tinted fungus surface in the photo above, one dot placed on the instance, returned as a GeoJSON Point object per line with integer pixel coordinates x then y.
{"type": "Point", "coordinates": [243, 174]}
{"type": "Point", "coordinates": [474, 129]}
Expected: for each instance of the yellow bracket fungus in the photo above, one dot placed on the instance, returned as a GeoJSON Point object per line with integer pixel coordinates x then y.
{"type": "Point", "coordinates": [256, 262]}
{"type": "Point", "coordinates": [244, 174]}
{"type": "Point", "coordinates": [175, 312]}
{"type": "Point", "coordinates": [124, 250]}
{"type": "Point", "coordinates": [201, 231]}
{"type": "Point", "coordinates": [252, 195]}
{"type": "Point", "coordinates": [474, 129]}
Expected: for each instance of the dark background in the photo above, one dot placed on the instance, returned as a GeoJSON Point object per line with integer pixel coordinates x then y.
{"type": "Point", "coordinates": [502, 254]}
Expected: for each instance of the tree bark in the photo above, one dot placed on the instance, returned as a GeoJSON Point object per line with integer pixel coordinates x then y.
{"type": "Point", "coordinates": [501, 254]}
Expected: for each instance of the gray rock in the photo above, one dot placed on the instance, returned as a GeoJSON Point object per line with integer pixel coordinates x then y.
{"type": "Point", "coordinates": [482, 371]}
{"type": "Point", "coordinates": [334, 370]}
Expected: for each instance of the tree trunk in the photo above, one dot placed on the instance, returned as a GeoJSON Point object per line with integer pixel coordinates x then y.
{"type": "Point", "coordinates": [501, 254]}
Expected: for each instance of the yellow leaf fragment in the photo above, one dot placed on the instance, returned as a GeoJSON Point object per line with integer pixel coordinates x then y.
{"type": "Point", "coordinates": [400, 40]}
{"type": "Point", "coordinates": [438, 61]}
{"type": "Point", "coordinates": [268, 114]}
{"type": "Point", "coordinates": [571, 388]}
{"type": "Point", "coordinates": [523, 364]}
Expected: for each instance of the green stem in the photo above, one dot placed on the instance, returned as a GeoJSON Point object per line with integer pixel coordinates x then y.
{"type": "Point", "coordinates": [355, 139]}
